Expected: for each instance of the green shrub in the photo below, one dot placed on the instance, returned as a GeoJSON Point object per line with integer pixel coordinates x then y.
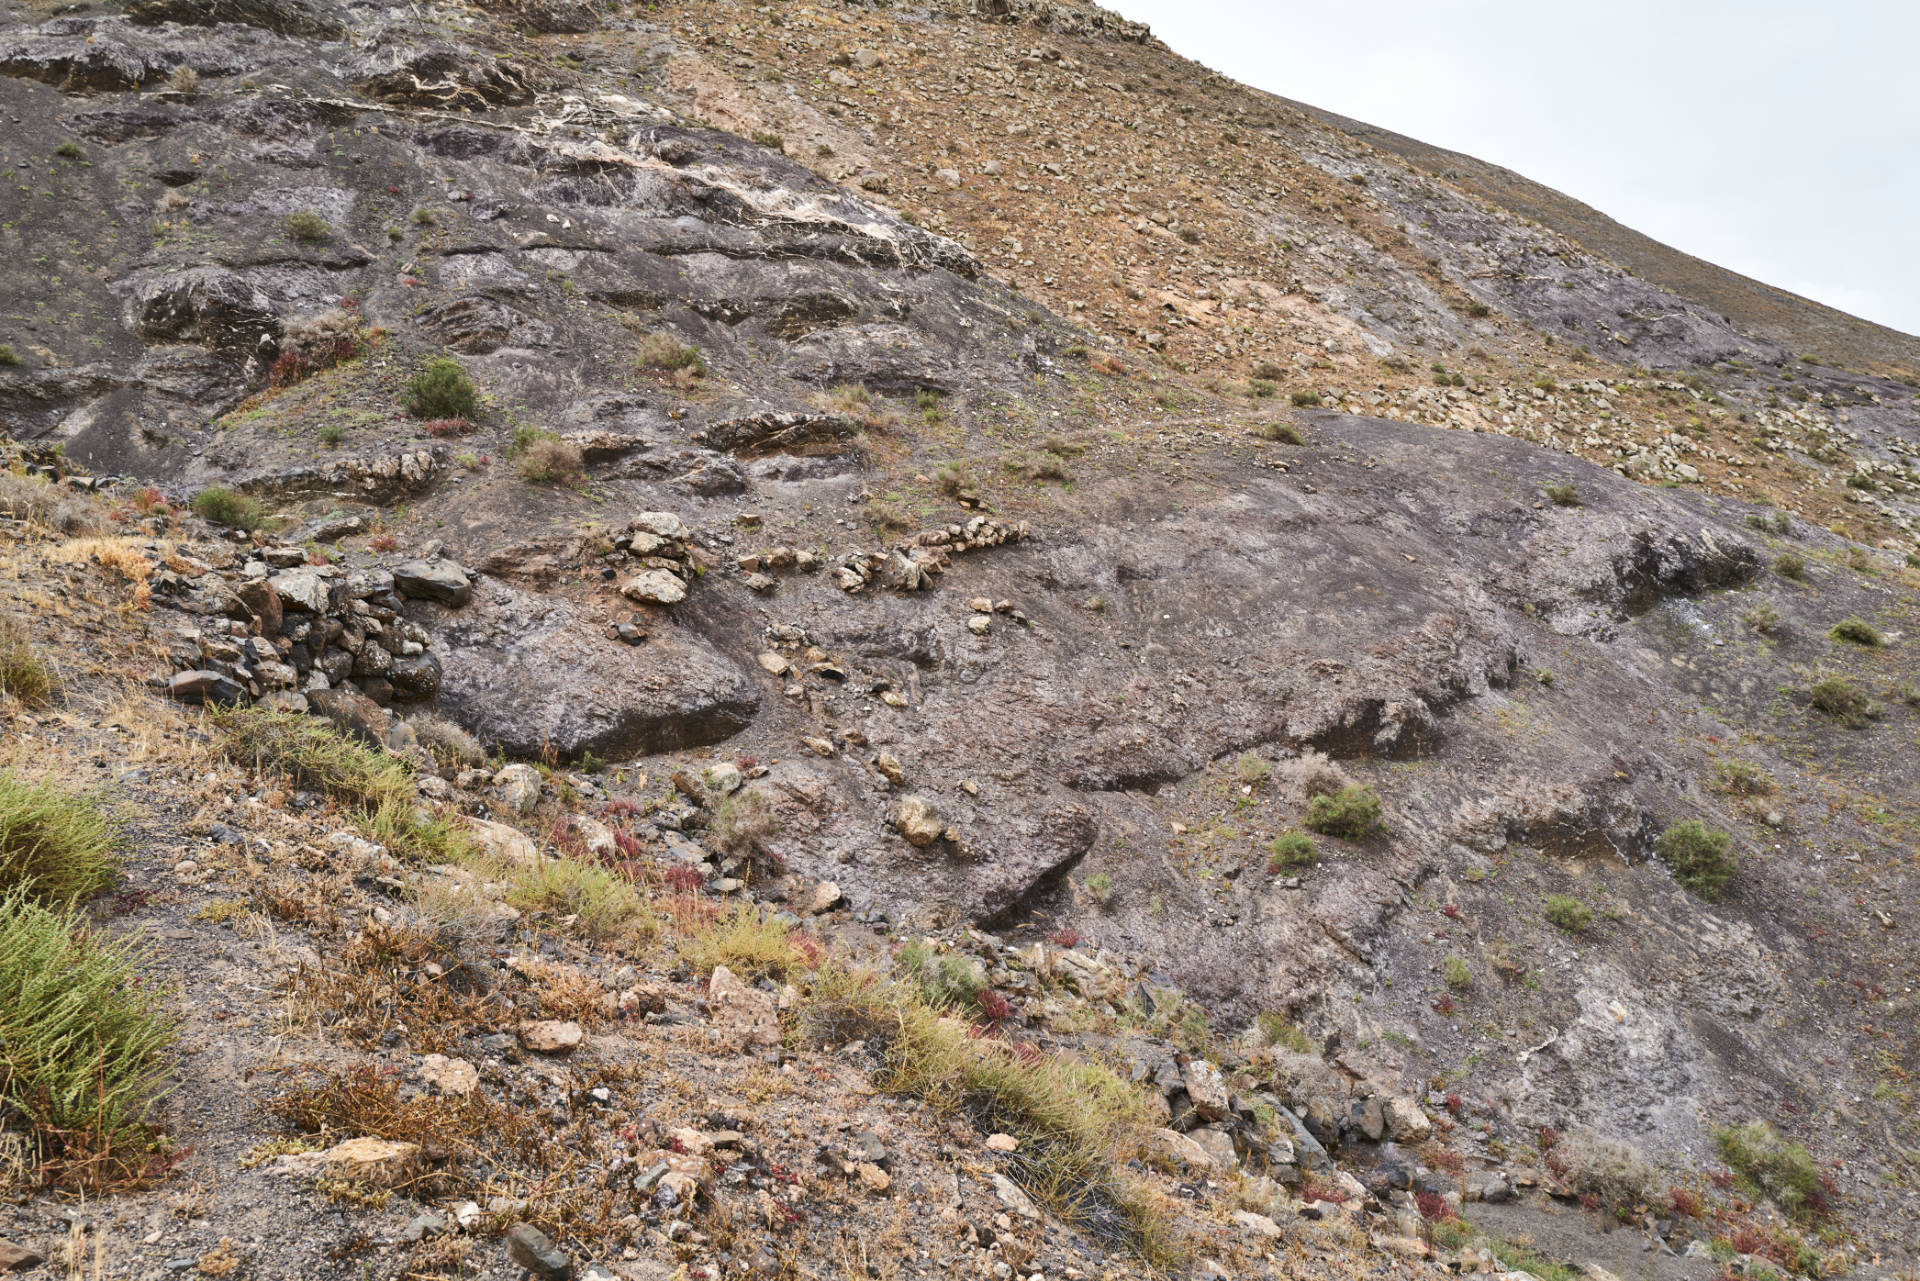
{"type": "Point", "coordinates": [331, 435]}
{"type": "Point", "coordinates": [661, 350]}
{"type": "Point", "coordinates": [952, 479]}
{"type": "Point", "coordinates": [1856, 632]}
{"type": "Point", "coordinates": [947, 980]}
{"type": "Point", "coordinates": [1260, 389]}
{"type": "Point", "coordinates": [307, 227]}
{"type": "Point", "coordinates": [1352, 813]}
{"type": "Point", "coordinates": [225, 507]}
{"type": "Point", "coordinates": [1100, 886]}
{"type": "Point", "coordinates": [83, 1036]}
{"type": "Point", "coordinates": [55, 845]}
{"type": "Point", "coordinates": [1305, 398]}
{"type": "Point", "coordinates": [1291, 850]}
{"type": "Point", "coordinates": [1700, 857]}
{"type": "Point", "coordinates": [1841, 699]}
{"type": "Point", "coordinates": [68, 150]}
{"type": "Point", "coordinates": [744, 824]}
{"type": "Point", "coordinates": [8, 356]}
{"type": "Point", "coordinates": [1763, 618]}
{"type": "Point", "coordinates": [1563, 495]}
{"type": "Point", "coordinates": [1518, 1258]}
{"type": "Point", "coordinates": [442, 390]}
{"type": "Point", "coordinates": [1778, 1168]}
{"type": "Point", "coordinates": [1456, 972]}
{"type": "Point", "coordinates": [1788, 565]}
{"type": "Point", "coordinates": [1269, 371]}
{"type": "Point", "coordinates": [1568, 913]}
{"type": "Point", "coordinates": [1285, 433]}
{"type": "Point", "coordinates": [1741, 778]}
{"type": "Point", "coordinates": [1275, 1030]}
{"type": "Point", "coordinates": [24, 674]}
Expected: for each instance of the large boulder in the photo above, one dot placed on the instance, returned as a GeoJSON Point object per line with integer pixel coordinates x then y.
{"type": "Point", "coordinates": [530, 673]}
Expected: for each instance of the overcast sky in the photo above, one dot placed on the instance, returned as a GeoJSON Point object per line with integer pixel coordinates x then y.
{"type": "Point", "coordinates": [1780, 140]}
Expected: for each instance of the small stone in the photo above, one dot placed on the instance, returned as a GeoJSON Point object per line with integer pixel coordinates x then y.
{"type": "Point", "coordinates": [15, 1257]}
{"type": "Point", "coordinates": [204, 686]}
{"type": "Point", "coordinates": [1406, 1121]}
{"type": "Point", "coordinates": [550, 1036]}
{"type": "Point", "coordinates": [748, 1015]}
{"type": "Point", "coordinates": [529, 1247]}
{"type": "Point", "coordinates": [889, 768]}
{"type": "Point", "coordinates": [655, 587]}
{"type": "Point", "coordinates": [449, 1076]}
{"type": "Point", "coordinates": [503, 842]}
{"type": "Point", "coordinates": [380, 1162]}
{"type": "Point", "coordinates": [1207, 1088]}
{"type": "Point", "coordinates": [435, 580]}
{"type": "Point", "coordinates": [1175, 1151]}
{"type": "Point", "coordinates": [1016, 1201]}
{"type": "Point", "coordinates": [724, 778]}
{"type": "Point", "coordinates": [518, 787]}
{"type": "Point", "coordinates": [1002, 1143]}
{"type": "Point", "coordinates": [774, 664]}
{"type": "Point", "coordinates": [758, 582]}
{"type": "Point", "coordinates": [301, 590]}
{"type": "Point", "coordinates": [979, 624]}
{"type": "Point", "coordinates": [1257, 1224]}
{"type": "Point", "coordinates": [980, 605]}
{"type": "Point", "coordinates": [826, 897]}
{"type": "Point", "coordinates": [918, 821]}
{"type": "Point", "coordinates": [872, 1177]}
{"type": "Point", "coordinates": [819, 746]}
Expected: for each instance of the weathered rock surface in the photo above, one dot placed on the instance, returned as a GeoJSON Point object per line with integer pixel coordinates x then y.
{"type": "Point", "coordinates": [531, 672]}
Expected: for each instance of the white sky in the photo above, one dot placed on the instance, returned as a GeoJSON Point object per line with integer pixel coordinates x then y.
{"type": "Point", "coordinates": [1780, 140]}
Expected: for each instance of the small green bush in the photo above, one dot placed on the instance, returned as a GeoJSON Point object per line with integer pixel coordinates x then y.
{"type": "Point", "coordinates": [1291, 850]}
{"type": "Point", "coordinates": [1563, 495]}
{"type": "Point", "coordinates": [331, 435]}
{"type": "Point", "coordinates": [1763, 618]}
{"type": "Point", "coordinates": [1305, 398]}
{"type": "Point", "coordinates": [83, 1037]}
{"type": "Point", "coordinates": [24, 674]}
{"type": "Point", "coordinates": [1700, 857]}
{"type": "Point", "coordinates": [56, 846]}
{"type": "Point", "coordinates": [947, 980]}
{"type": "Point", "coordinates": [1856, 631]}
{"type": "Point", "coordinates": [1352, 813]}
{"type": "Point", "coordinates": [8, 356]}
{"type": "Point", "coordinates": [661, 350]}
{"type": "Point", "coordinates": [1285, 433]}
{"type": "Point", "coordinates": [1778, 1168]}
{"type": "Point", "coordinates": [1568, 913]}
{"type": "Point", "coordinates": [1276, 1030]}
{"type": "Point", "coordinates": [1269, 371]}
{"type": "Point", "coordinates": [225, 507]}
{"type": "Point", "coordinates": [1841, 699]}
{"type": "Point", "coordinates": [1741, 778]}
{"type": "Point", "coordinates": [307, 227]}
{"type": "Point", "coordinates": [1456, 972]}
{"type": "Point", "coordinates": [68, 151]}
{"type": "Point", "coordinates": [1788, 565]}
{"type": "Point", "coordinates": [1100, 886]}
{"type": "Point", "coordinates": [442, 390]}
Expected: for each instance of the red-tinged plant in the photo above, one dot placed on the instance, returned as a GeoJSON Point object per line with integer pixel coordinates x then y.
{"type": "Point", "coordinates": [440, 427]}
{"type": "Point", "coordinates": [995, 1006]}
{"type": "Point", "coordinates": [1066, 937]}
{"type": "Point", "coordinates": [684, 880]}
{"type": "Point", "coordinates": [1685, 1202]}
{"type": "Point", "coordinates": [1451, 911]}
{"type": "Point", "coordinates": [1433, 1206]}
{"type": "Point", "coordinates": [1455, 1104]}
{"type": "Point", "coordinates": [1548, 1137]}
{"type": "Point", "coordinates": [384, 543]}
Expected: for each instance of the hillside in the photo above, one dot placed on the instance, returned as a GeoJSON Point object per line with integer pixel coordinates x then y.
{"type": "Point", "coordinates": [819, 639]}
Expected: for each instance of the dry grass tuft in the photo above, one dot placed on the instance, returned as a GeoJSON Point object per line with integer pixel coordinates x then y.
{"type": "Point", "coordinates": [24, 674]}
{"type": "Point", "coordinates": [750, 944]}
{"type": "Point", "coordinates": [40, 502]}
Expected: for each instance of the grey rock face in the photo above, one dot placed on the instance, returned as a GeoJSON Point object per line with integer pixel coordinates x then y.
{"type": "Point", "coordinates": [527, 672]}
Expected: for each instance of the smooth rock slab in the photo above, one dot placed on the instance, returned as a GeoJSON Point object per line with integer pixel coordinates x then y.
{"type": "Point", "coordinates": [527, 673]}
{"type": "Point", "coordinates": [550, 1036]}
{"type": "Point", "coordinates": [436, 580]}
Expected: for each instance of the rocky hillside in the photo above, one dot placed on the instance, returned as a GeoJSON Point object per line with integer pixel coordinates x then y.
{"type": "Point", "coordinates": [834, 640]}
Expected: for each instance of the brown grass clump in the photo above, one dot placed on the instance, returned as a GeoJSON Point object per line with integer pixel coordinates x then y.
{"type": "Point", "coordinates": [394, 976]}
{"type": "Point", "coordinates": [39, 502]}
{"type": "Point", "coordinates": [24, 674]}
{"type": "Point", "coordinates": [550, 461]}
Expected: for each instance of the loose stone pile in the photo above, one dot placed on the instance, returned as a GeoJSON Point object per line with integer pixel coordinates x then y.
{"type": "Point", "coordinates": [278, 626]}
